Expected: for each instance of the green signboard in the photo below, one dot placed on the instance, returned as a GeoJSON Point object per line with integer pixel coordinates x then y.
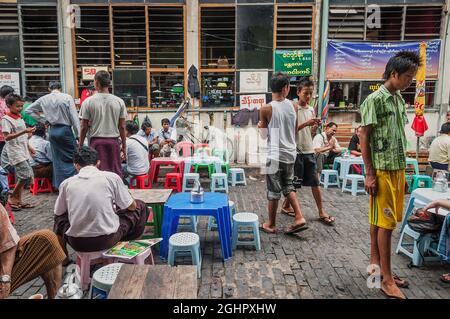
{"type": "Point", "coordinates": [293, 62]}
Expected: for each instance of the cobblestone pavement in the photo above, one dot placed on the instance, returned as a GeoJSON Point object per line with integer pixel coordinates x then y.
{"type": "Point", "coordinates": [321, 262]}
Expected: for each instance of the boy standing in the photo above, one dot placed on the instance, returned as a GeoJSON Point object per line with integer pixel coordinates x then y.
{"type": "Point", "coordinates": [280, 119]}
{"type": "Point", "coordinates": [383, 145]}
{"type": "Point", "coordinates": [17, 148]}
{"type": "Point", "coordinates": [305, 165]}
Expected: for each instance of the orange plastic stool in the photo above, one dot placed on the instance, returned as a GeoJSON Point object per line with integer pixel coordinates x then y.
{"type": "Point", "coordinates": [140, 182]}
{"type": "Point", "coordinates": [41, 185]}
{"type": "Point", "coordinates": [169, 181]}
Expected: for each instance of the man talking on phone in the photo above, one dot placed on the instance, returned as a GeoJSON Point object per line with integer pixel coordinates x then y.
{"type": "Point", "coordinates": [305, 170]}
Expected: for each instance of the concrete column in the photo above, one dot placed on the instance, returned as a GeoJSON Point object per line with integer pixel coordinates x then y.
{"type": "Point", "coordinates": [192, 32]}
{"type": "Point", "coordinates": [443, 96]}
{"type": "Point", "coordinates": [66, 52]}
{"type": "Point", "coordinates": [316, 40]}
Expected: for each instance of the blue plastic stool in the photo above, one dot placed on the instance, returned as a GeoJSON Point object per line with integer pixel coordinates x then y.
{"type": "Point", "coordinates": [212, 221]}
{"type": "Point", "coordinates": [421, 244]}
{"type": "Point", "coordinates": [237, 176]}
{"type": "Point", "coordinates": [185, 243]}
{"type": "Point", "coordinates": [329, 177]}
{"type": "Point", "coordinates": [355, 180]}
{"type": "Point", "coordinates": [246, 220]}
{"type": "Point", "coordinates": [421, 181]}
{"type": "Point", "coordinates": [219, 182]}
{"type": "Point", "coordinates": [102, 281]}
{"type": "Point", "coordinates": [190, 177]}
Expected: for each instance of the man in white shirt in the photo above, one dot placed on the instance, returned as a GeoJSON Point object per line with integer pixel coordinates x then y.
{"type": "Point", "coordinates": [137, 152]}
{"type": "Point", "coordinates": [439, 157]}
{"type": "Point", "coordinates": [326, 146]}
{"type": "Point", "coordinates": [94, 209]}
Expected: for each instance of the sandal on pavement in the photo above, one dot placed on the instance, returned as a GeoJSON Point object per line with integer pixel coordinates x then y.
{"type": "Point", "coordinates": [391, 296]}
{"type": "Point", "coordinates": [268, 231]}
{"type": "Point", "coordinates": [401, 283]}
{"type": "Point", "coordinates": [288, 212]}
{"type": "Point", "coordinates": [327, 220]}
{"type": "Point", "coordinates": [295, 228]}
{"type": "Point", "coordinates": [26, 206]}
{"type": "Point", "coordinates": [15, 207]}
{"type": "Point", "coordinates": [445, 278]}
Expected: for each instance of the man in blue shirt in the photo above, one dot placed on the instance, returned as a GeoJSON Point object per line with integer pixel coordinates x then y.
{"type": "Point", "coordinates": [152, 138]}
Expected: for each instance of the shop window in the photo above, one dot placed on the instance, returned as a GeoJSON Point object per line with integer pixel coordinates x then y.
{"type": "Point", "coordinates": [218, 39]}
{"type": "Point", "coordinates": [218, 89]}
{"type": "Point", "coordinates": [255, 36]}
{"type": "Point", "coordinates": [9, 51]}
{"type": "Point", "coordinates": [131, 86]}
{"type": "Point", "coordinates": [129, 36]}
{"type": "Point", "coordinates": [423, 23]}
{"type": "Point", "coordinates": [344, 94]}
{"type": "Point", "coordinates": [391, 20]}
{"type": "Point", "coordinates": [294, 27]}
{"type": "Point", "coordinates": [37, 82]}
{"type": "Point", "coordinates": [167, 89]}
{"type": "Point", "coordinates": [166, 37]}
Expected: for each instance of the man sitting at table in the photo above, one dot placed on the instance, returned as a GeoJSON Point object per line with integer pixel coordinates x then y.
{"type": "Point", "coordinates": [167, 138]}
{"type": "Point", "coordinates": [355, 149]}
{"type": "Point", "coordinates": [152, 138]}
{"type": "Point", "coordinates": [94, 209]}
{"type": "Point", "coordinates": [326, 146]}
{"type": "Point", "coordinates": [137, 152]}
{"type": "Point", "coordinates": [439, 157]}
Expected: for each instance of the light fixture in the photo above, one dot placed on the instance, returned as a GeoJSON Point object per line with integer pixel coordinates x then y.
{"type": "Point", "coordinates": [343, 11]}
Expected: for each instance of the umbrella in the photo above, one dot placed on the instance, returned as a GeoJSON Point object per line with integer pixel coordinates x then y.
{"type": "Point", "coordinates": [419, 124]}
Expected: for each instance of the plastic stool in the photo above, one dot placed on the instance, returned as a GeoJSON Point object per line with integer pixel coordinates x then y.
{"type": "Point", "coordinates": [169, 181]}
{"type": "Point", "coordinates": [421, 244]}
{"type": "Point", "coordinates": [185, 149]}
{"type": "Point", "coordinates": [327, 175]}
{"type": "Point", "coordinates": [190, 177]}
{"type": "Point", "coordinates": [249, 220]}
{"type": "Point", "coordinates": [354, 179]}
{"type": "Point", "coordinates": [212, 221]}
{"type": "Point", "coordinates": [191, 226]}
{"type": "Point", "coordinates": [140, 182]}
{"type": "Point", "coordinates": [83, 267]}
{"type": "Point", "coordinates": [237, 176]}
{"type": "Point", "coordinates": [41, 185]}
{"type": "Point", "coordinates": [138, 260]}
{"type": "Point", "coordinates": [185, 242]}
{"type": "Point", "coordinates": [219, 182]}
{"type": "Point", "coordinates": [421, 181]}
{"type": "Point", "coordinates": [103, 280]}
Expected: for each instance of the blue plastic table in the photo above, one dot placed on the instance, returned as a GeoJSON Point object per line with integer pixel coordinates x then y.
{"type": "Point", "coordinates": [215, 204]}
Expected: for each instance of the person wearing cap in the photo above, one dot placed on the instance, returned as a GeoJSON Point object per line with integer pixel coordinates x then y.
{"type": "Point", "coordinates": [439, 157]}
{"type": "Point", "coordinates": [58, 110]}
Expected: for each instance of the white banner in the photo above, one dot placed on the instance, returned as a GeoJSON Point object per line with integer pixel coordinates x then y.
{"type": "Point", "coordinates": [12, 79]}
{"type": "Point", "coordinates": [252, 101]}
{"type": "Point", "coordinates": [88, 72]}
{"type": "Point", "coordinates": [253, 81]}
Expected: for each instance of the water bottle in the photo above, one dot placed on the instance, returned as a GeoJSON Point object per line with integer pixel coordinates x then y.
{"type": "Point", "coordinates": [440, 182]}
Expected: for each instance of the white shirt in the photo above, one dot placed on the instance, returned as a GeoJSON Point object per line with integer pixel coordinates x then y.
{"type": "Point", "coordinates": [321, 141]}
{"type": "Point", "coordinates": [440, 150]}
{"type": "Point", "coordinates": [303, 137]}
{"type": "Point", "coordinates": [89, 199]}
{"type": "Point", "coordinates": [137, 155]}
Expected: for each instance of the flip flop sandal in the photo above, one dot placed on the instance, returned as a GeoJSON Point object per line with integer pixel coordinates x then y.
{"type": "Point", "coordinates": [401, 283]}
{"type": "Point", "coordinates": [287, 212]}
{"type": "Point", "coordinates": [15, 207]}
{"type": "Point", "coordinates": [391, 296]}
{"type": "Point", "coordinates": [296, 228]}
{"type": "Point", "coordinates": [329, 220]}
{"type": "Point", "coordinates": [266, 230]}
{"type": "Point", "coordinates": [26, 206]}
{"type": "Point", "coordinates": [445, 278]}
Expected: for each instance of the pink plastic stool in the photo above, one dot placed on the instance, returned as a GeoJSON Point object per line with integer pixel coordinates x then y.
{"type": "Point", "coordinates": [186, 149]}
{"type": "Point", "coordinates": [84, 261]}
{"type": "Point", "coordinates": [138, 260]}
{"type": "Point", "coordinates": [141, 181]}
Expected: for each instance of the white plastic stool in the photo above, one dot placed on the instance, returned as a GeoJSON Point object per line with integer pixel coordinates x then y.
{"type": "Point", "coordinates": [237, 176]}
{"type": "Point", "coordinates": [187, 177]}
{"type": "Point", "coordinates": [326, 178]}
{"type": "Point", "coordinates": [246, 220]}
{"type": "Point", "coordinates": [185, 243]}
{"type": "Point", "coordinates": [354, 179]}
{"type": "Point", "coordinates": [219, 182]}
{"type": "Point", "coordinates": [103, 279]}
{"type": "Point", "coordinates": [421, 244]}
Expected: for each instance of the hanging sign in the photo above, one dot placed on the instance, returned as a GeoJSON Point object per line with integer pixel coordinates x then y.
{"type": "Point", "coordinates": [252, 101]}
{"type": "Point", "coordinates": [293, 62]}
{"type": "Point", "coordinates": [12, 79]}
{"type": "Point", "coordinates": [253, 81]}
{"type": "Point", "coordinates": [88, 72]}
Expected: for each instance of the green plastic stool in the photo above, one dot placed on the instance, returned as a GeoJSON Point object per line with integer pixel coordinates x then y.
{"type": "Point", "coordinates": [211, 168]}
{"type": "Point", "coordinates": [421, 181]}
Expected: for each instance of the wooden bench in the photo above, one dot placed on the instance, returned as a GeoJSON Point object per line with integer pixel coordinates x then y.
{"type": "Point", "coordinates": [344, 134]}
{"type": "Point", "coordinates": [422, 161]}
{"type": "Point", "coordinates": [155, 282]}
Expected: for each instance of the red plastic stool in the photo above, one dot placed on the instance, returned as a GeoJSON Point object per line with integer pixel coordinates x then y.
{"type": "Point", "coordinates": [10, 213]}
{"type": "Point", "coordinates": [169, 181]}
{"type": "Point", "coordinates": [11, 181]}
{"type": "Point", "coordinates": [140, 182]}
{"type": "Point", "coordinates": [41, 185]}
